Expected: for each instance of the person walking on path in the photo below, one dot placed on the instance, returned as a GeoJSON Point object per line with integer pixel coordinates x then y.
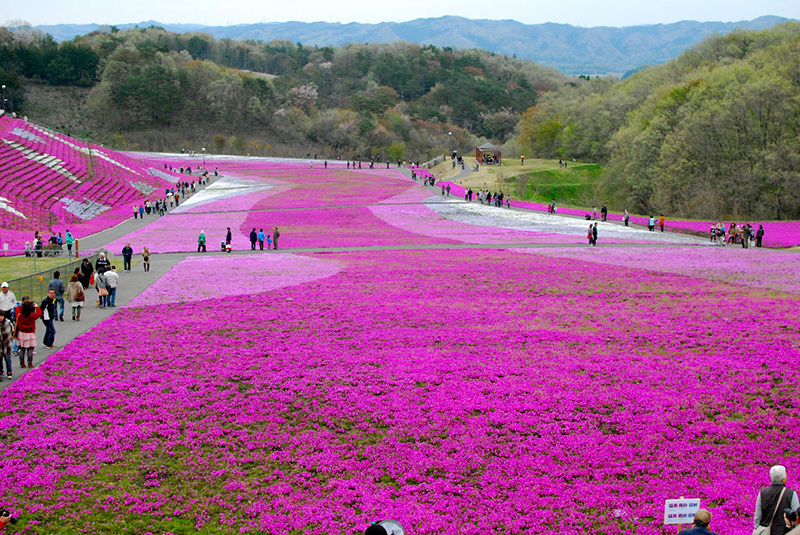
{"type": "Point", "coordinates": [759, 235]}
{"type": "Point", "coordinates": [102, 262]}
{"type": "Point", "coordinates": [275, 235]}
{"type": "Point", "coordinates": [201, 242]}
{"type": "Point", "coordinates": [228, 237]}
{"type": "Point", "coordinates": [127, 256]}
{"type": "Point", "coordinates": [48, 307]}
{"type": "Point", "coordinates": [76, 296]}
{"type": "Point", "coordinates": [661, 222]}
{"type": "Point", "coordinates": [27, 314]}
{"type": "Point", "coordinates": [86, 271]}
{"type": "Point", "coordinates": [6, 343]}
{"type": "Point", "coordinates": [135, 212]}
{"type": "Point", "coordinates": [594, 234]}
{"type": "Point", "coordinates": [146, 259]}
{"type": "Point", "coordinates": [590, 235]}
{"type": "Point", "coordinates": [112, 281]}
{"type": "Point", "coordinates": [57, 285]}
{"type": "Point", "coordinates": [626, 218]}
{"type": "Point", "coordinates": [102, 288]}
{"type": "Point", "coordinates": [773, 500]}
{"type": "Point", "coordinates": [604, 212]}
{"type": "Point", "coordinates": [70, 239]}
{"type": "Point", "coordinates": [261, 237]}
{"type": "Point", "coordinates": [253, 239]}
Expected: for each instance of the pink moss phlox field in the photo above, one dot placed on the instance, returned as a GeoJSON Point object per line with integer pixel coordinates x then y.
{"type": "Point", "coordinates": [752, 267]}
{"type": "Point", "coordinates": [53, 183]}
{"type": "Point", "coordinates": [777, 233]}
{"type": "Point", "coordinates": [356, 226]}
{"type": "Point", "coordinates": [215, 277]}
{"type": "Point", "coordinates": [179, 232]}
{"type": "Point", "coordinates": [467, 392]}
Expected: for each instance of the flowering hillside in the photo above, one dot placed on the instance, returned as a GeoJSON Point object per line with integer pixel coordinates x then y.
{"type": "Point", "coordinates": [50, 182]}
{"type": "Point", "coordinates": [500, 378]}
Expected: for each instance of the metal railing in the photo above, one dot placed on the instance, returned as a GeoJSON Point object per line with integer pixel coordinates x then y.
{"type": "Point", "coordinates": [35, 285]}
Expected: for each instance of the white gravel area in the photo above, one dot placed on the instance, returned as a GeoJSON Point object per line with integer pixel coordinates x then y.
{"type": "Point", "coordinates": [223, 188]}
{"type": "Point", "coordinates": [480, 214]}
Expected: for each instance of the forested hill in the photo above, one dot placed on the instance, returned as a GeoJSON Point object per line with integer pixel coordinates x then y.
{"type": "Point", "coordinates": [712, 134]}
{"type": "Point", "coordinates": [161, 90]}
{"type": "Point", "coordinates": [570, 49]}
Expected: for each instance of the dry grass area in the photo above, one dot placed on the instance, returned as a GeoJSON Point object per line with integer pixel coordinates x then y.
{"type": "Point", "coordinates": [492, 177]}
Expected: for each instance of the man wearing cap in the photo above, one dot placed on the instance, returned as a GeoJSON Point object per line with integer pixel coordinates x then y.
{"type": "Point", "coordinates": [702, 519]}
{"type": "Point", "coordinates": [773, 500]}
{"type": "Point", "coordinates": [8, 301]}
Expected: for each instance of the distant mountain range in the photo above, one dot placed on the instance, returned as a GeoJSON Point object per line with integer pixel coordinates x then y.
{"type": "Point", "coordinates": [570, 49]}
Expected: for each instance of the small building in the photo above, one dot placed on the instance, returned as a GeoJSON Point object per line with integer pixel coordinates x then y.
{"type": "Point", "coordinates": [488, 154]}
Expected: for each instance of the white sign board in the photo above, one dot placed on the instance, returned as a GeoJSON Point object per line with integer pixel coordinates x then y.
{"type": "Point", "coordinates": [680, 511]}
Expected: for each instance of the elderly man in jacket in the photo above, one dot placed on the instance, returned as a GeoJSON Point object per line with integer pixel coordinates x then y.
{"type": "Point", "coordinates": [773, 500]}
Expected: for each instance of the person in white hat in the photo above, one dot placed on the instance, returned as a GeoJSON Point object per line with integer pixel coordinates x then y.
{"type": "Point", "coordinates": [8, 301]}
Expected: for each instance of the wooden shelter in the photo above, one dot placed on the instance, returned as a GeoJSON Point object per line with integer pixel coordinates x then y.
{"type": "Point", "coordinates": [488, 154]}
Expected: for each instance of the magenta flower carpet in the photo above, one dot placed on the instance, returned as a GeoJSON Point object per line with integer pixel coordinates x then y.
{"type": "Point", "coordinates": [468, 387]}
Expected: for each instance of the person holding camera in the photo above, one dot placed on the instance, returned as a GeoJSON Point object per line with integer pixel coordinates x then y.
{"type": "Point", "coordinates": [27, 314]}
{"type": "Point", "coordinates": [776, 497]}
{"type": "Point", "coordinates": [6, 518]}
{"type": "Point", "coordinates": [790, 519]}
{"type": "Point", "coordinates": [702, 519]}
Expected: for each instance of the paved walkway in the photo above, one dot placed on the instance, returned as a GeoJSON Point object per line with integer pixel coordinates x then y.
{"type": "Point", "coordinates": [130, 285]}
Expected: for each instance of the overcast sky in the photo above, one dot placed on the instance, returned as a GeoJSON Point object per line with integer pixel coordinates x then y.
{"type": "Point", "coordinates": [222, 12]}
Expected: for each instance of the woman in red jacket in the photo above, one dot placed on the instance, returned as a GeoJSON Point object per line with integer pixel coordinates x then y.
{"type": "Point", "coordinates": [27, 314]}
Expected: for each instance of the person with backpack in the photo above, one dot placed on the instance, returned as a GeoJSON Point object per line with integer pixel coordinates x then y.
{"type": "Point", "coordinates": [76, 297]}
{"type": "Point", "coordinates": [201, 242]}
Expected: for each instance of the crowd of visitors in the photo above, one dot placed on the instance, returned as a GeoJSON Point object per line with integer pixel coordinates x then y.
{"type": "Point", "coordinates": [256, 239]}
{"type": "Point", "coordinates": [18, 318]}
{"type": "Point", "coordinates": [172, 197]}
{"type": "Point", "coordinates": [54, 245]}
{"type": "Point", "coordinates": [743, 234]}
